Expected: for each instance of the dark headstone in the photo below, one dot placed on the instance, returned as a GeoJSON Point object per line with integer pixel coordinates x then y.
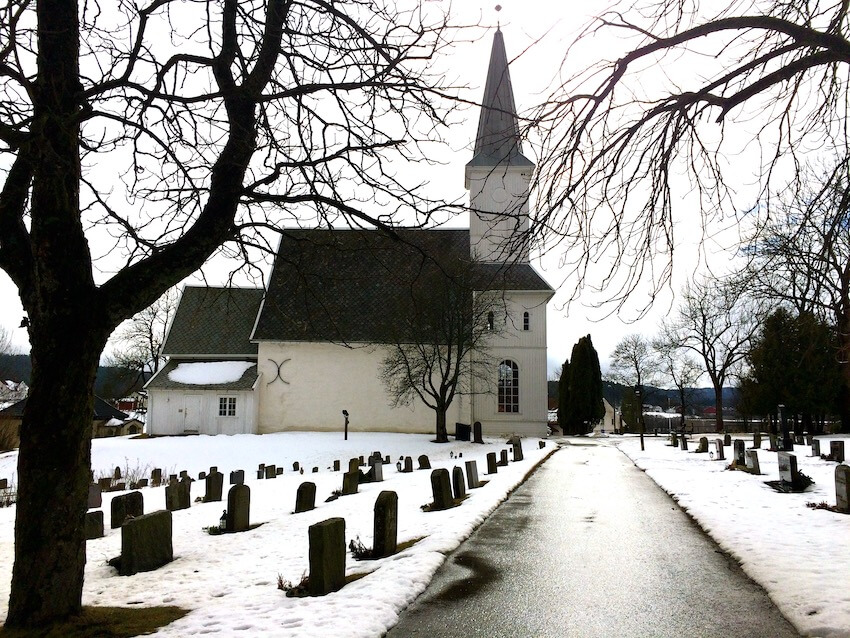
{"type": "Point", "coordinates": [842, 488]}
{"type": "Point", "coordinates": [799, 440]}
{"type": "Point", "coordinates": [202, 476]}
{"type": "Point", "coordinates": [142, 482]}
{"type": "Point", "coordinates": [130, 505]}
{"type": "Point", "coordinates": [718, 449]}
{"type": "Point", "coordinates": [387, 460]}
{"type": "Point", "coordinates": [702, 448]}
{"type": "Point", "coordinates": [739, 448]}
{"type": "Point", "coordinates": [4, 484]}
{"type": "Point", "coordinates": [492, 466]}
{"type": "Point", "coordinates": [271, 471]}
{"type": "Point", "coordinates": [408, 464]}
{"type": "Point", "coordinates": [462, 431]}
{"type": "Point", "coordinates": [756, 440]}
{"type": "Point", "coordinates": [503, 458]}
{"type": "Point", "coordinates": [477, 436]}
{"type": "Point", "coordinates": [424, 463]}
{"type": "Point", "coordinates": [674, 439]}
{"type": "Point", "coordinates": [517, 450]}
{"type": "Point", "coordinates": [261, 474]}
{"type": "Point", "coordinates": [119, 487]}
{"type": "Point", "coordinates": [214, 487]}
{"type": "Point", "coordinates": [336, 465]}
{"type": "Point", "coordinates": [836, 451]}
{"type": "Point", "coordinates": [296, 466]}
{"type": "Point", "coordinates": [684, 443]}
{"type": "Point", "coordinates": [315, 469]}
{"type": "Point", "coordinates": [94, 525]}
{"type": "Point", "coordinates": [354, 465]}
{"type": "Point", "coordinates": [788, 472]}
{"type": "Point", "coordinates": [350, 482]}
{"type": "Point", "coordinates": [541, 444]}
{"type": "Point", "coordinates": [441, 489]}
{"type": "Point", "coordinates": [105, 484]}
{"type": "Point", "coordinates": [305, 498]}
{"type": "Point", "coordinates": [117, 473]}
{"type": "Point", "coordinates": [386, 524]}
{"type": "Point", "coordinates": [472, 475]}
{"type": "Point", "coordinates": [178, 495]}
{"type": "Point", "coordinates": [458, 483]}
{"type": "Point", "coordinates": [773, 442]}
{"type": "Point", "coordinates": [156, 477]}
{"type": "Point", "coordinates": [95, 496]}
{"type": "Point", "coordinates": [184, 474]}
{"type": "Point", "coordinates": [146, 543]}
{"type": "Point", "coordinates": [809, 439]}
{"type": "Point", "coordinates": [327, 556]}
{"type": "Point", "coordinates": [362, 461]}
{"type": "Point", "coordinates": [213, 468]}
{"type": "Point", "coordinates": [816, 448]}
{"type": "Point", "coordinates": [185, 493]}
{"type": "Point", "coordinates": [279, 470]}
{"type": "Point", "coordinates": [237, 477]}
{"type": "Point", "coordinates": [238, 508]}
{"type": "Point", "coordinates": [727, 440]}
{"type": "Point", "coordinates": [753, 462]}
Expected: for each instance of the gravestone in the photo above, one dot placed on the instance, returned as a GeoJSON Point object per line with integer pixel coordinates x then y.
{"type": "Point", "coordinates": [799, 440]}
{"type": "Point", "coordinates": [156, 477]}
{"type": "Point", "coordinates": [541, 444]}
{"type": "Point", "coordinates": [376, 472]}
{"type": "Point", "coordinates": [503, 458]}
{"type": "Point", "coordinates": [271, 471]}
{"type": "Point", "coordinates": [492, 466]}
{"type": "Point", "coordinates": [753, 462]}
{"type": "Point", "coordinates": [477, 436]}
{"type": "Point", "coordinates": [105, 484]}
{"type": "Point", "coordinates": [458, 483]}
{"type": "Point", "coordinates": [305, 498]}
{"type": "Point", "coordinates": [350, 482]}
{"type": "Point", "coordinates": [146, 543]}
{"type": "Point", "coordinates": [788, 472]}
{"type": "Point", "coordinates": [517, 450]}
{"type": "Point", "coordinates": [213, 468]}
{"type": "Point", "coordinates": [842, 488]}
{"type": "Point", "coordinates": [387, 460]}
{"type": "Point", "coordinates": [441, 490]}
{"type": "Point", "coordinates": [727, 439]}
{"type": "Point", "coordinates": [143, 482]}
{"type": "Point", "coordinates": [126, 506]}
{"type": "Point", "coordinates": [95, 495]}
{"type": "Point", "coordinates": [119, 487]}
{"type": "Point", "coordinates": [202, 476]}
{"type": "Point", "coordinates": [773, 442]}
{"type": "Point", "coordinates": [214, 483]}
{"type": "Point", "coordinates": [296, 466]}
{"type": "Point", "coordinates": [408, 464]}
{"type": "Point", "coordinates": [354, 465]}
{"type": "Point", "coordinates": [315, 469]}
{"type": "Point", "coordinates": [702, 448]}
{"type": "Point", "coordinates": [756, 440]}
{"type": "Point", "coordinates": [93, 525]}
{"type": "Point", "coordinates": [472, 475]}
{"type": "Point", "coordinates": [177, 495]}
{"type": "Point", "coordinates": [718, 449]}
{"type": "Point", "coordinates": [740, 458]}
{"type": "Point", "coordinates": [185, 493]}
{"type": "Point", "coordinates": [386, 525]}
{"type": "Point", "coordinates": [462, 431]}
{"type": "Point", "coordinates": [238, 508]}
{"type": "Point", "coordinates": [4, 484]}
{"type": "Point", "coordinates": [327, 556]}
{"type": "Point", "coordinates": [117, 473]}
{"type": "Point", "coordinates": [424, 463]}
{"type": "Point", "coordinates": [237, 477]}
{"type": "Point", "coordinates": [279, 470]}
{"type": "Point", "coordinates": [336, 465]}
{"type": "Point", "coordinates": [261, 474]}
{"type": "Point", "coordinates": [836, 451]}
{"type": "Point", "coordinates": [816, 448]}
{"type": "Point", "coordinates": [684, 444]}
{"type": "Point", "coordinates": [172, 477]}
{"type": "Point", "coordinates": [809, 439]}
{"type": "Point", "coordinates": [674, 439]}
{"type": "Point", "coordinates": [184, 474]}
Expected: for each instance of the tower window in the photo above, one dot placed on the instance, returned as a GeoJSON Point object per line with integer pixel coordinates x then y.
{"type": "Point", "coordinates": [526, 321]}
{"type": "Point", "coordinates": [508, 386]}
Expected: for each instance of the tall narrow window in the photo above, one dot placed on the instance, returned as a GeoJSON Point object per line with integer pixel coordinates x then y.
{"type": "Point", "coordinates": [490, 320]}
{"type": "Point", "coordinates": [526, 321]}
{"type": "Point", "coordinates": [227, 406]}
{"type": "Point", "coordinates": [508, 386]}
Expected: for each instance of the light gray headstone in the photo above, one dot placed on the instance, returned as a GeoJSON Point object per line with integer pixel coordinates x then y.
{"type": "Point", "coordinates": [787, 467]}
{"type": "Point", "coordinates": [753, 462]}
{"type": "Point", "coordinates": [718, 450]}
{"type": "Point", "coordinates": [684, 443]}
{"type": "Point", "coordinates": [376, 473]}
{"type": "Point", "coordinates": [842, 487]}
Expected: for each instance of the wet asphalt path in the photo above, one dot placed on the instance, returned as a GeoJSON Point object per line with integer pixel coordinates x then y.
{"type": "Point", "coordinates": [589, 546]}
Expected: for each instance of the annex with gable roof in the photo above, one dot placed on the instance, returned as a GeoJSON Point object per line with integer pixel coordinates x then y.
{"type": "Point", "coordinates": [294, 356]}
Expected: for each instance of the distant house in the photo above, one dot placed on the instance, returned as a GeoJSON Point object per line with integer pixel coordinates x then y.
{"type": "Point", "coordinates": [11, 392]}
{"type": "Point", "coordinates": [11, 417]}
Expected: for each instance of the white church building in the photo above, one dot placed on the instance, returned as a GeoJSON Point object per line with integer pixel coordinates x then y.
{"type": "Point", "coordinates": [294, 356]}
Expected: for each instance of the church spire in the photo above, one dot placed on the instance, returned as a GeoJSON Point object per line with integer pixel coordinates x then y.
{"type": "Point", "coordinates": [498, 140]}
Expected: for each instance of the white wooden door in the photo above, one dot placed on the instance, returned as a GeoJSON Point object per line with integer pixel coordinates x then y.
{"type": "Point", "coordinates": [192, 408]}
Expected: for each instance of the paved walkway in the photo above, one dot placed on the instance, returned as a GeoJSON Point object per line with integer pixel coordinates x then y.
{"type": "Point", "coordinates": [589, 546]}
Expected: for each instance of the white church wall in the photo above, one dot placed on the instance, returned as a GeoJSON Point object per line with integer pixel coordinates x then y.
{"type": "Point", "coordinates": [172, 412]}
{"type": "Point", "coordinates": [502, 191]}
{"type": "Point", "coordinates": [320, 380]}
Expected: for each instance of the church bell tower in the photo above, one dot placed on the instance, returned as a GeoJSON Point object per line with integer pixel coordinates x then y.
{"type": "Point", "coordinates": [498, 174]}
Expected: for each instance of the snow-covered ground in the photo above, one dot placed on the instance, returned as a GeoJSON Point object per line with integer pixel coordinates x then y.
{"type": "Point", "coordinates": [229, 582]}
{"type": "Point", "coordinates": [801, 556]}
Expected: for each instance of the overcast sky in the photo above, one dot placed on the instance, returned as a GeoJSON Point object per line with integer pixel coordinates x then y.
{"type": "Point", "coordinates": [532, 73]}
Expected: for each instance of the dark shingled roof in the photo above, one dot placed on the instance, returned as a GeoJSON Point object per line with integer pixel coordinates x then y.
{"type": "Point", "coordinates": [103, 411]}
{"type": "Point", "coordinates": [161, 380]}
{"type": "Point", "coordinates": [350, 286]}
{"type": "Point", "coordinates": [214, 322]}
{"type": "Point", "coordinates": [498, 140]}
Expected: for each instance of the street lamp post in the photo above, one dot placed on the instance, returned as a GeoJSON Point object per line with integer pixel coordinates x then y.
{"type": "Point", "coordinates": [345, 414]}
{"type": "Point", "coordinates": [639, 395]}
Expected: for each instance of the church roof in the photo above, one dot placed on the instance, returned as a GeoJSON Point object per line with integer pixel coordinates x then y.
{"type": "Point", "coordinates": [350, 286]}
{"type": "Point", "coordinates": [214, 321]}
{"type": "Point", "coordinates": [498, 141]}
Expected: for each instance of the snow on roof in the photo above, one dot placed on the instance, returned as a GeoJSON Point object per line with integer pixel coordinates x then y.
{"type": "Point", "coordinates": [209, 372]}
{"type": "Point", "coordinates": [114, 423]}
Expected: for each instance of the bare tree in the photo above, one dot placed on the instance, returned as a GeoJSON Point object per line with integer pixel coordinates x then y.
{"type": "Point", "coordinates": [137, 139]}
{"type": "Point", "coordinates": [696, 100]}
{"type": "Point", "coordinates": [6, 346]}
{"type": "Point", "coordinates": [716, 322]}
{"type": "Point", "coordinates": [442, 346]}
{"type": "Point", "coordinates": [633, 363]}
{"type": "Point", "coordinates": [138, 344]}
{"type": "Point", "coordinates": [682, 370]}
{"type": "Point", "coordinates": [800, 256]}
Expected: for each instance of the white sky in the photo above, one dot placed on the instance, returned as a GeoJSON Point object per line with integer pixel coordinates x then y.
{"type": "Point", "coordinates": [531, 74]}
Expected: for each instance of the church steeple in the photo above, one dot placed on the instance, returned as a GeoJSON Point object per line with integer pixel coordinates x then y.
{"type": "Point", "coordinates": [498, 141]}
{"type": "Point", "coordinates": [498, 175]}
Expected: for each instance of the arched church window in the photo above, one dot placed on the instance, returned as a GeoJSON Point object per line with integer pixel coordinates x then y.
{"type": "Point", "coordinates": [526, 321]}
{"type": "Point", "coordinates": [508, 386]}
{"type": "Point", "coordinates": [490, 320]}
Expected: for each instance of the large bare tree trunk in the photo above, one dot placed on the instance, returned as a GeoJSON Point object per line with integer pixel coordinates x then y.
{"type": "Point", "coordinates": [442, 432]}
{"type": "Point", "coordinates": [844, 359]}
